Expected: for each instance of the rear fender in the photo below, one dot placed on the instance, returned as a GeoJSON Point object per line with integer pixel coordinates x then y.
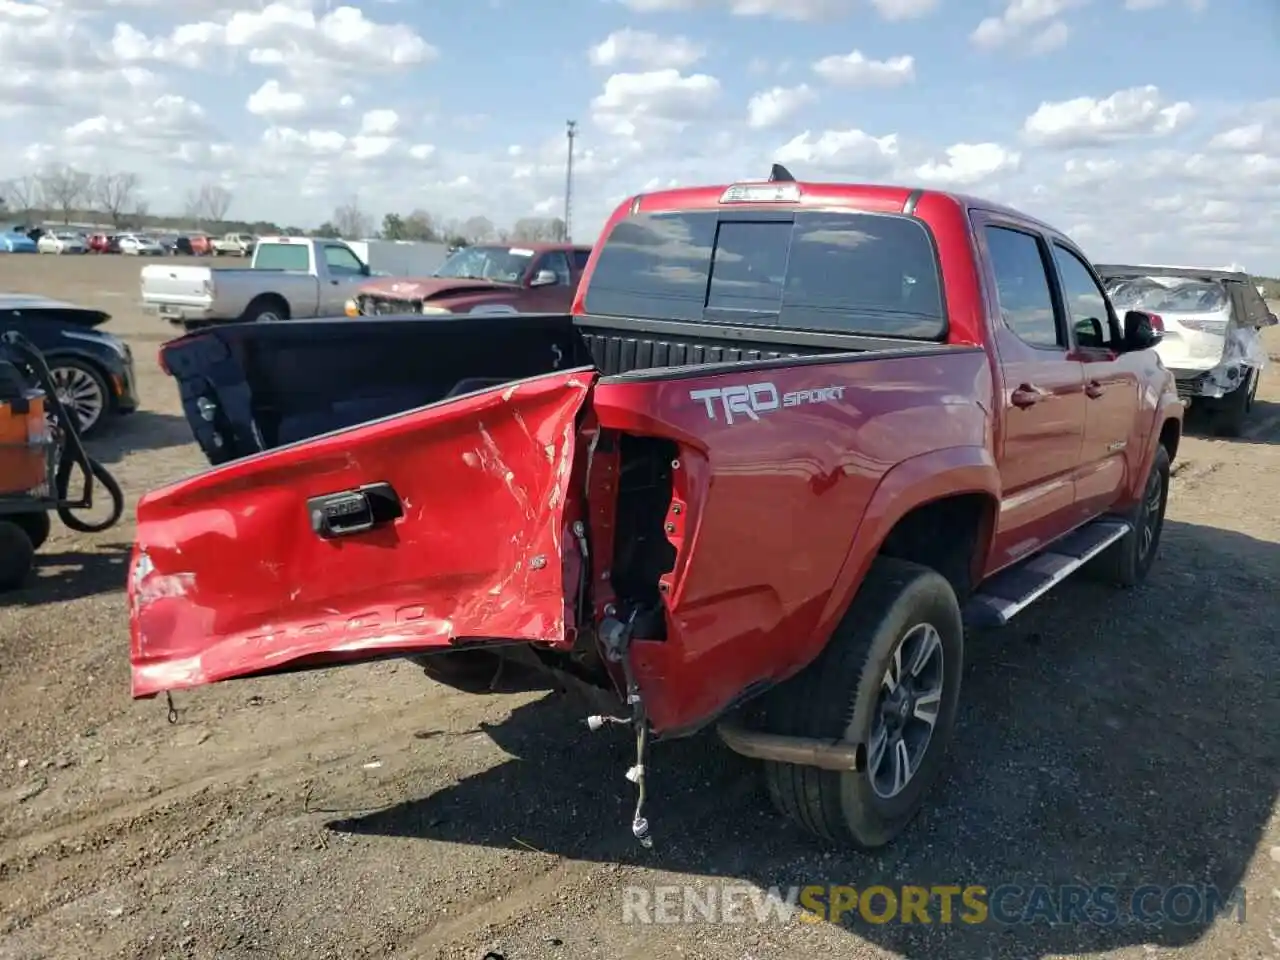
{"type": "Point", "coordinates": [914, 483]}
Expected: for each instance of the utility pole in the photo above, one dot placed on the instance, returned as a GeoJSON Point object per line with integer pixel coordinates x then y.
{"type": "Point", "coordinates": [571, 131]}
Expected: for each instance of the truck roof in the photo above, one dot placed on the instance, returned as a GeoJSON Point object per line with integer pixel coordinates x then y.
{"type": "Point", "coordinates": [876, 197]}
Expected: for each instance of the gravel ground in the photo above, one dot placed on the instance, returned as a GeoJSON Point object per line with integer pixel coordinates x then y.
{"type": "Point", "coordinates": [1122, 740]}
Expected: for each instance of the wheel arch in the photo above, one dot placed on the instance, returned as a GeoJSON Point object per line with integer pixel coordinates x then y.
{"type": "Point", "coordinates": [270, 298]}
{"type": "Point", "coordinates": [958, 487]}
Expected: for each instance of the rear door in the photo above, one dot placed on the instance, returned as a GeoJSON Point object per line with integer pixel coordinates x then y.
{"type": "Point", "coordinates": [1043, 391]}
{"type": "Point", "coordinates": [410, 533]}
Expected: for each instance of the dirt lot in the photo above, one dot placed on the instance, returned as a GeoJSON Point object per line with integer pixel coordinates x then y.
{"type": "Point", "coordinates": [1105, 739]}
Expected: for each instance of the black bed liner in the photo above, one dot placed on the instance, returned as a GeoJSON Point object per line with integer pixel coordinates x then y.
{"type": "Point", "coordinates": [279, 383]}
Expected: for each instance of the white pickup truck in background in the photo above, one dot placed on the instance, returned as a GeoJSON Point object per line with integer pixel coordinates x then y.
{"type": "Point", "coordinates": [233, 245]}
{"type": "Point", "coordinates": [288, 278]}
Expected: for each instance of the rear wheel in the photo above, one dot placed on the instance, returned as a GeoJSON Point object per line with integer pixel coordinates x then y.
{"type": "Point", "coordinates": [36, 525]}
{"type": "Point", "coordinates": [888, 681]}
{"type": "Point", "coordinates": [266, 310]}
{"type": "Point", "coordinates": [82, 390]}
{"type": "Point", "coordinates": [1231, 412]}
{"type": "Point", "coordinates": [16, 555]}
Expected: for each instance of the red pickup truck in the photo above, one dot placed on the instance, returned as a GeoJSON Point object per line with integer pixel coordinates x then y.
{"type": "Point", "coordinates": [790, 440]}
{"type": "Point", "coordinates": [485, 278]}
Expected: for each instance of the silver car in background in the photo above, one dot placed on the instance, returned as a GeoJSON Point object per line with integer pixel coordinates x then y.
{"type": "Point", "coordinates": [1212, 332]}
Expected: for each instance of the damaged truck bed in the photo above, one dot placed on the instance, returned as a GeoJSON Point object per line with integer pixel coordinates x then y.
{"type": "Point", "coordinates": [790, 439]}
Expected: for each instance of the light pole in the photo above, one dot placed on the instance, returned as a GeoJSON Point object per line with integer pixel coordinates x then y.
{"type": "Point", "coordinates": [571, 131]}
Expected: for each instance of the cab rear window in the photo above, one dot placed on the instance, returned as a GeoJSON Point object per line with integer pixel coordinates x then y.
{"type": "Point", "coordinates": [851, 273]}
{"type": "Point", "coordinates": [282, 256]}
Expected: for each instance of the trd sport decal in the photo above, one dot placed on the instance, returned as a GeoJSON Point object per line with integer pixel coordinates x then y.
{"type": "Point", "coordinates": [753, 399]}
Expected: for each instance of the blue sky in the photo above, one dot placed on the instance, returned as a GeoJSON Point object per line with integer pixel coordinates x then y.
{"type": "Point", "coordinates": [1156, 129]}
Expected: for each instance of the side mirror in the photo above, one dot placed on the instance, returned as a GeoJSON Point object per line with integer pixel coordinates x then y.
{"type": "Point", "coordinates": [1089, 333]}
{"type": "Point", "coordinates": [544, 278]}
{"type": "Point", "coordinates": [1142, 330]}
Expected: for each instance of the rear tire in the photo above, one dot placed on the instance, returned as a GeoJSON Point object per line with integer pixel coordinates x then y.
{"type": "Point", "coordinates": [16, 555]}
{"type": "Point", "coordinates": [36, 525]}
{"type": "Point", "coordinates": [265, 310]}
{"type": "Point", "coordinates": [1231, 412]}
{"type": "Point", "coordinates": [900, 609]}
{"type": "Point", "coordinates": [84, 392]}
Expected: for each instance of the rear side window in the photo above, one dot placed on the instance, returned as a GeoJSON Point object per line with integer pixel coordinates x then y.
{"type": "Point", "coordinates": [580, 258]}
{"type": "Point", "coordinates": [282, 256]}
{"type": "Point", "coordinates": [851, 273]}
{"type": "Point", "coordinates": [1022, 286]}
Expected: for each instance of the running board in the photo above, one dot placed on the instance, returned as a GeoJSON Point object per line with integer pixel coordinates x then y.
{"type": "Point", "coordinates": [1011, 591]}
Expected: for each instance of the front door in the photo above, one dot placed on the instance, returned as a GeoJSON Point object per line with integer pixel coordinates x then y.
{"type": "Point", "coordinates": [404, 534]}
{"type": "Point", "coordinates": [554, 297]}
{"type": "Point", "coordinates": [343, 273]}
{"type": "Point", "coordinates": [1043, 402]}
{"type": "Point", "coordinates": [1111, 385]}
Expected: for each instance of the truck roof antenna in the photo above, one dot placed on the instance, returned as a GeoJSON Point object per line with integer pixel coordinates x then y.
{"type": "Point", "coordinates": [779, 173]}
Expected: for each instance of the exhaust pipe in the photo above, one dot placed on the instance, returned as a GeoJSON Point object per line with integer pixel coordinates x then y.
{"type": "Point", "coordinates": [837, 755]}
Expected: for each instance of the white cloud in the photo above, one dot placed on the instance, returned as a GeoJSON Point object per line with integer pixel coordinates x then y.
{"type": "Point", "coordinates": [855, 69]}
{"type": "Point", "coordinates": [801, 10]}
{"type": "Point", "coordinates": [271, 100]}
{"type": "Point", "coordinates": [905, 9]}
{"type": "Point", "coordinates": [968, 164]}
{"type": "Point", "coordinates": [644, 49]}
{"type": "Point", "coordinates": [768, 108]}
{"type": "Point", "coordinates": [1035, 26]}
{"type": "Point", "coordinates": [379, 123]}
{"type": "Point", "coordinates": [852, 152]}
{"type": "Point", "coordinates": [657, 101]}
{"type": "Point", "coordinates": [1126, 114]}
{"type": "Point", "coordinates": [290, 35]}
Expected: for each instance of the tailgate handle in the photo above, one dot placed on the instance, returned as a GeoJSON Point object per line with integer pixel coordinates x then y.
{"type": "Point", "coordinates": [348, 512]}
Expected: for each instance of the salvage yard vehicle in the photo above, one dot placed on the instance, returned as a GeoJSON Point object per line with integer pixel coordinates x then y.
{"type": "Point", "coordinates": [1212, 322]}
{"type": "Point", "coordinates": [288, 278]}
{"type": "Point", "coordinates": [790, 440]}
{"type": "Point", "coordinates": [485, 278]}
{"type": "Point", "coordinates": [91, 370]}
{"type": "Point", "coordinates": [64, 241]}
{"type": "Point", "coordinates": [233, 245]}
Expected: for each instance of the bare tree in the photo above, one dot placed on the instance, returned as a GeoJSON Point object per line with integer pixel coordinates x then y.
{"type": "Point", "coordinates": [350, 221]}
{"type": "Point", "coordinates": [22, 194]}
{"type": "Point", "coordinates": [217, 201]}
{"type": "Point", "coordinates": [536, 229]}
{"type": "Point", "coordinates": [210, 202]}
{"type": "Point", "coordinates": [476, 229]}
{"type": "Point", "coordinates": [116, 194]}
{"type": "Point", "coordinates": [63, 187]}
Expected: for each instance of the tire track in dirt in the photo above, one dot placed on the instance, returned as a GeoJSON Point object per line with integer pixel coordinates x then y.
{"type": "Point", "coordinates": [136, 835]}
{"type": "Point", "coordinates": [567, 878]}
